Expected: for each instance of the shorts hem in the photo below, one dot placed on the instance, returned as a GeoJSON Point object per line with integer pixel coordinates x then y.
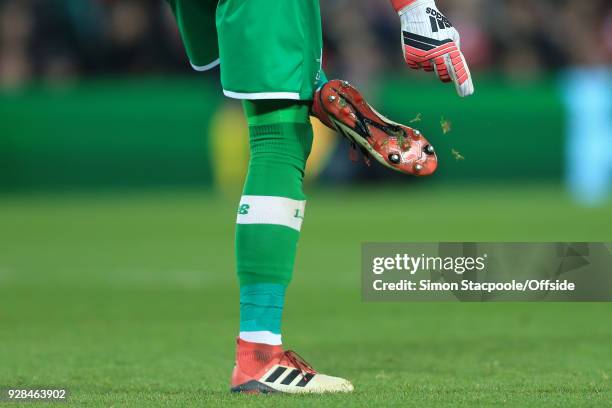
{"type": "Point", "coordinates": [207, 67]}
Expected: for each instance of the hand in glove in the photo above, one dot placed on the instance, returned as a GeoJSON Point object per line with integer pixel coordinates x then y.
{"type": "Point", "coordinates": [431, 43]}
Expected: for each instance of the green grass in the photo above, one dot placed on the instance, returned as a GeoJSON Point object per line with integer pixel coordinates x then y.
{"type": "Point", "coordinates": [130, 300]}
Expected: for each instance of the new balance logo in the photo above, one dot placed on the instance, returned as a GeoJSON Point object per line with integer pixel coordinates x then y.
{"type": "Point", "coordinates": [438, 20]}
{"type": "Point", "coordinates": [290, 375]}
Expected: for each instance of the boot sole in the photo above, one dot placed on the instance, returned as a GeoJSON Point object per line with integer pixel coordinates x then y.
{"type": "Point", "coordinates": [364, 116]}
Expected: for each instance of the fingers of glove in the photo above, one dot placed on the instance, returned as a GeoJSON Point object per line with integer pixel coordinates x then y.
{"type": "Point", "coordinates": [419, 56]}
{"type": "Point", "coordinates": [441, 69]}
{"type": "Point", "coordinates": [466, 88]}
{"type": "Point", "coordinates": [427, 66]}
{"type": "Point", "coordinates": [411, 63]}
{"type": "Point", "coordinates": [459, 72]}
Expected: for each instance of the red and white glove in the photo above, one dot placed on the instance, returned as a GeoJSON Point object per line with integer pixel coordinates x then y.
{"type": "Point", "coordinates": [431, 43]}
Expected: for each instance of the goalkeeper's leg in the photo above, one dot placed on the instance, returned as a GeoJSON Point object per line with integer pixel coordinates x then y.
{"type": "Point", "coordinates": [269, 220]}
{"type": "Point", "coordinates": [270, 213]}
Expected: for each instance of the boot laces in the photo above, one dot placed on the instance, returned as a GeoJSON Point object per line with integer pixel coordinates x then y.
{"type": "Point", "coordinates": [299, 363]}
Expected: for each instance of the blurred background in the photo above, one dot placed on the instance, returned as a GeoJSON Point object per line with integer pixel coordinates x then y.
{"type": "Point", "coordinates": [98, 93]}
{"type": "Point", "coordinates": [121, 168]}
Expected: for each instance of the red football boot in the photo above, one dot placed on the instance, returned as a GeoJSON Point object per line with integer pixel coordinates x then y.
{"type": "Point", "coordinates": [261, 368]}
{"type": "Point", "coordinates": [341, 107]}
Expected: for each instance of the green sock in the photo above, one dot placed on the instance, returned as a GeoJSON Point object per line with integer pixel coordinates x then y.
{"type": "Point", "coordinates": [270, 213]}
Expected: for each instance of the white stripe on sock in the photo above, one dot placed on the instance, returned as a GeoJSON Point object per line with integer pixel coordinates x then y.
{"type": "Point", "coordinates": [271, 210]}
{"type": "Point", "coordinates": [295, 96]}
{"type": "Point", "coordinates": [264, 337]}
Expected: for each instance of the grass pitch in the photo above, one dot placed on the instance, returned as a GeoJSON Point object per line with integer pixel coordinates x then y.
{"type": "Point", "coordinates": [131, 300]}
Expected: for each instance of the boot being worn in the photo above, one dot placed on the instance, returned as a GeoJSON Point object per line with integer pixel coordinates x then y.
{"type": "Point", "coordinates": [341, 107]}
{"type": "Point", "coordinates": [262, 368]}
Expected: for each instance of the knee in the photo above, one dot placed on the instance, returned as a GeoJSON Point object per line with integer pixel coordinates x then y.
{"type": "Point", "coordinates": [289, 143]}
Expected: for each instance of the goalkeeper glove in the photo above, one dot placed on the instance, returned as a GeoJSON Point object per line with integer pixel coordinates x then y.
{"type": "Point", "coordinates": [431, 43]}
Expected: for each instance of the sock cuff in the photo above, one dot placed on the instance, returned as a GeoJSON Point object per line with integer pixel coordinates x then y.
{"type": "Point", "coordinates": [290, 139]}
{"type": "Point", "coordinates": [261, 337]}
{"type": "Point", "coordinates": [269, 111]}
{"type": "Point", "coordinates": [278, 128]}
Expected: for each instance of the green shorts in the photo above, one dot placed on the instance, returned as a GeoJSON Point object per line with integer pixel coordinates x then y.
{"type": "Point", "coordinates": [266, 49]}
